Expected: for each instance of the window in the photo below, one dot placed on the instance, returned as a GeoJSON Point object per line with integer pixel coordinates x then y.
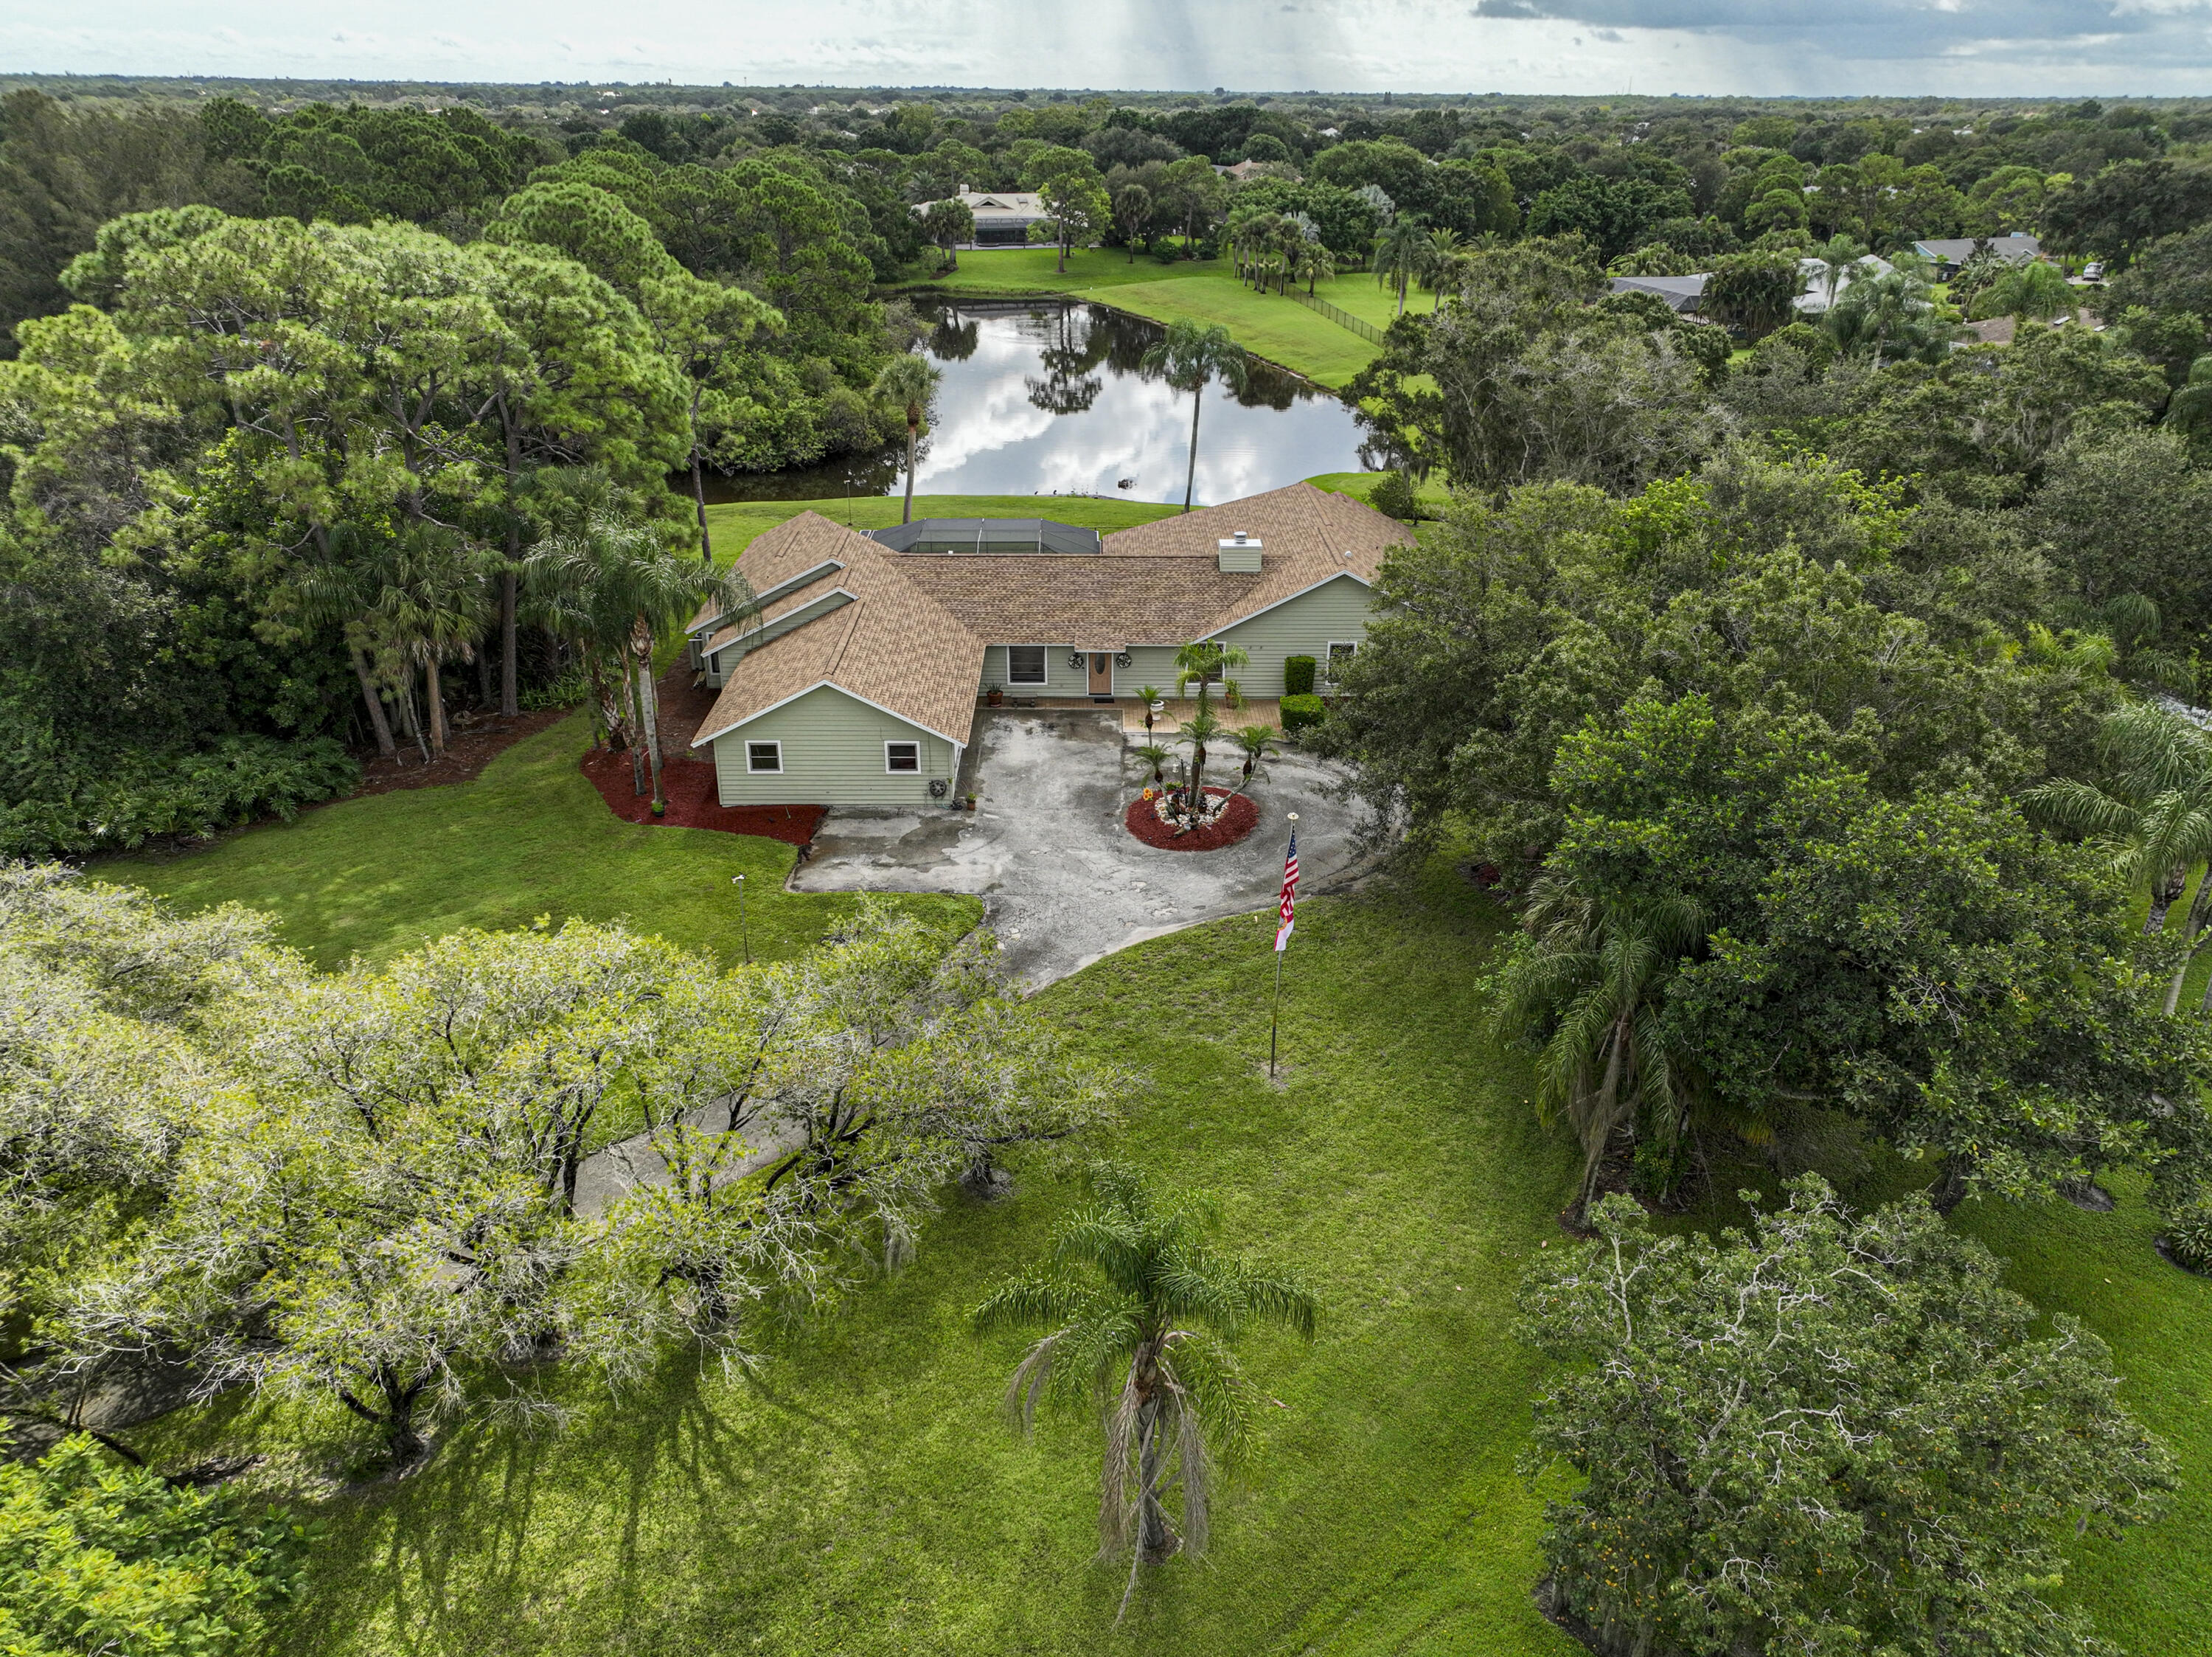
{"type": "Point", "coordinates": [763, 756]}
{"type": "Point", "coordinates": [1025, 664]}
{"type": "Point", "coordinates": [903, 756]}
{"type": "Point", "coordinates": [1341, 653]}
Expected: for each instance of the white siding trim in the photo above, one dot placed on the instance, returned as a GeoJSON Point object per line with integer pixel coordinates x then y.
{"type": "Point", "coordinates": [890, 770]}
{"type": "Point", "coordinates": [776, 769]}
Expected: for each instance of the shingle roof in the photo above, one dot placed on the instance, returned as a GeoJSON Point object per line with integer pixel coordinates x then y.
{"type": "Point", "coordinates": [894, 645]}
{"type": "Point", "coordinates": [912, 640]}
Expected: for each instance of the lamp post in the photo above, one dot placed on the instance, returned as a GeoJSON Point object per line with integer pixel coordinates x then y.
{"type": "Point", "coordinates": [743, 935]}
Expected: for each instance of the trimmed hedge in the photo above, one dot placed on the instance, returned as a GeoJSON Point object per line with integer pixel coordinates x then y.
{"type": "Point", "coordinates": [1298, 675]}
{"type": "Point", "coordinates": [1301, 712]}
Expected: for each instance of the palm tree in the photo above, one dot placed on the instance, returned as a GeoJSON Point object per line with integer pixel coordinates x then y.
{"type": "Point", "coordinates": [1132, 211]}
{"type": "Point", "coordinates": [1398, 254]}
{"type": "Point", "coordinates": [1314, 262]}
{"type": "Point", "coordinates": [1201, 729]}
{"type": "Point", "coordinates": [1895, 310]}
{"type": "Point", "coordinates": [1192, 355]}
{"type": "Point", "coordinates": [2155, 813]}
{"type": "Point", "coordinates": [1148, 695]}
{"type": "Point", "coordinates": [1206, 661]}
{"type": "Point", "coordinates": [1587, 977]}
{"type": "Point", "coordinates": [2190, 411]}
{"type": "Point", "coordinates": [1145, 1332]}
{"type": "Point", "coordinates": [1156, 758]}
{"type": "Point", "coordinates": [430, 588]}
{"type": "Point", "coordinates": [1439, 258]}
{"type": "Point", "coordinates": [1259, 742]}
{"type": "Point", "coordinates": [909, 383]}
{"type": "Point", "coordinates": [2029, 290]}
{"type": "Point", "coordinates": [1839, 256]}
{"type": "Point", "coordinates": [605, 579]}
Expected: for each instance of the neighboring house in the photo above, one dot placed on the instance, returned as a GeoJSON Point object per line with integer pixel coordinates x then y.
{"type": "Point", "coordinates": [1003, 217]}
{"type": "Point", "coordinates": [1814, 273]}
{"type": "Point", "coordinates": [1683, 293]}
{"type": "Point", "coordinates": [1947, 254]}
{"type": "Point", "coordinates": [858, 680]}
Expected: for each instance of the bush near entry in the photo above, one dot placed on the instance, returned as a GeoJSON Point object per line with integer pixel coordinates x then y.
{"type": "Point", "coordinates": [1301, 713]}
{"type": "Point", "coordinates": [1298, 675]}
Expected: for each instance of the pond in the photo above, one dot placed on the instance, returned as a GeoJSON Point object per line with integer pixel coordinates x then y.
{"type": "Point", "coordinates": [1043, 398]}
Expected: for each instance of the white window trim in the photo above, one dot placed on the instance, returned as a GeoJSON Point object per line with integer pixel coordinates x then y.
{"type": "Point", "coordinates": [1329, 656]}
{"type": "Point", "coordinates": [1029, 683]}
{"type": "Point", "coordinates": [890, 770]}
{"type": "Point", "coordinates": [752, 770]}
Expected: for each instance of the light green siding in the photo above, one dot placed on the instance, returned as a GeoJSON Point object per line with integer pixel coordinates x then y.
{"type": "Point", "coordinates": [1149, 664]}
{"type": "Point", "coordinates": [833, 755]}
{"type": "Point", "coordinates": [1302, 626]}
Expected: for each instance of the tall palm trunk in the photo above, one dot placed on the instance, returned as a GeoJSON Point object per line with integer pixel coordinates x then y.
{"type": "Point", "coordinates": [648, 709]}
{"type": "Point", "coordinates": [2192, 930]}
{"type": "Point", "coordinates": [386, 747]}
{"type": "Point", "coordinates": [913, 437]}
{"type": "Point", "coordinates": [1190, 481]}
{"type": "Point", "coordinates": [509, 670]}
{"type": "Point", "coordinates": [2162, 895]}
{"type": "Point", "coordinates": [699, 482]}
{"type": "Point", "coordinates": [435, 695]}
{"type": "Point", "coordinates": [635, 722]}
{"type": "Point", "coordinates": [1154, 1540]}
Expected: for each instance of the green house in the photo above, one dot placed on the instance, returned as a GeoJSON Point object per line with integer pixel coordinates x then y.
{"type": "Point", "coordinates": [857, 679]}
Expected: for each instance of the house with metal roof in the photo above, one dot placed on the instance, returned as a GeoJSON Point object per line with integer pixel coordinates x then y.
{"type": "Point", "coordinates": [856, 678]}
{"type": "Point", "coordinates": [1948, 253]}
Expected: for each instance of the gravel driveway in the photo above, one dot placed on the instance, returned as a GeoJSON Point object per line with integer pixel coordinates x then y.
{"type": "Point", "coordinates": [1062, 881]}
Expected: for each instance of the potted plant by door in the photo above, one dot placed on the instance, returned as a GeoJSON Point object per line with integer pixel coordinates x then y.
{"type": "Point", "coordinates": [993, 695]}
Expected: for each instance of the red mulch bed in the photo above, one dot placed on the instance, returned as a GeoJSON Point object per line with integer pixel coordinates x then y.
{"type": "Point", "coordinates": [1143, 821]}
{"type": "Point", "coordinates": [692, 800]}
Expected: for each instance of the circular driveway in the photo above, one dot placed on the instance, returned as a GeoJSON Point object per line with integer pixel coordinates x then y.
{"type": "Point", "coordinates": [1062, 881]}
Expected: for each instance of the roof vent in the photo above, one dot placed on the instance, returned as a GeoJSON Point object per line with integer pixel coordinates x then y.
{"type": "Point", "coordinates": [1238, 555]}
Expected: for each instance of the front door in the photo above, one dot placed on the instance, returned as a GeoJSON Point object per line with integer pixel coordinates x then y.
{"type": "Point", "coordinates": [1102, 673]}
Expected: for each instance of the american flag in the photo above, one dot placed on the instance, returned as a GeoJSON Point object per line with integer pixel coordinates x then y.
{"type": "Point", "coordinates": [1288, 911]}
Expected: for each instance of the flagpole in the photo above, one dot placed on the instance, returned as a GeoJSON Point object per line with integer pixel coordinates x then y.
{"type": "Point", "coordinates": [1275, 1013]}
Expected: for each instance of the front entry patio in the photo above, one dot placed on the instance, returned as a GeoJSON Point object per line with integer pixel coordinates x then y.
{"type": "Point", "coordinates": [1062, 881]}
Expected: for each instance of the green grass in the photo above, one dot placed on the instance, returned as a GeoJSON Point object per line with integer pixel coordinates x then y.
{"type": "Point", "coordinates": [734, 526]}
{"type": "Point", "coordinates": [862, 1496]}
{"type": "Point", "coordinates": [377, 875]}
{"type": "Point", "coordinates": [1269, 325]}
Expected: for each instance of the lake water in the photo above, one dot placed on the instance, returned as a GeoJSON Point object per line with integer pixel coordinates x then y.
{"type": "Point", "coordinates": [1046, 399]}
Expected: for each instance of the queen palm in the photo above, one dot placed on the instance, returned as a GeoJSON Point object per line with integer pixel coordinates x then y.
{"type": "Point", "coordinates": [1193, 355]}
{"type": "Point", "coordinates": [2030, 290]}
{"type": "Point", "coordinates": [1399, 250]}
{"type": "Point", "coordinates": [2155, 812]}
{"type": "Point", "coordinates": [1587, 977]}
{"type": "Point", "coordinates": [429, 589]}
{"type": "Point", "coordinates": [1440, 255]}
{"type": "Point", "coordinates": [909, 383]}
{"type": "Point", "coordinates": [1839, 256]}
{"type": "Point", "coordinates": [1140, 1308]}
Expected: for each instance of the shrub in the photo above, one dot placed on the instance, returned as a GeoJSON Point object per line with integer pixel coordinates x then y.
{"type": "Point", "coordinates": [51, 806]}
{"type": "Point", "coordinates": [99, 1557]}
{"type": "Point", "coordinates": [1394, 495]}
{"type": "Point", "coordinates": [1298, 675]}
{"type": "Point", "coordinates": [2188, 1233]}
{"type": "Point", "coordinates": [1302, 713]}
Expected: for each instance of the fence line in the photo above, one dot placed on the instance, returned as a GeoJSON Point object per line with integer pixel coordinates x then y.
{"type": "Point", "coordinates": [1343, 318]}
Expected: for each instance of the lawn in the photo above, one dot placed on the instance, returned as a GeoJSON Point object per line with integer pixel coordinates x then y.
{"type": "Point", "coordinates": [1269, 325]}
{"type": "Point", "coordinates": [734, 526]}
{"type": "Point", "coordinates": [376, 875]}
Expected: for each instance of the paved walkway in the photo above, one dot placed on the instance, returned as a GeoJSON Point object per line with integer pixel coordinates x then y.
{"type": "Point", "coordinates": [1062, 881]}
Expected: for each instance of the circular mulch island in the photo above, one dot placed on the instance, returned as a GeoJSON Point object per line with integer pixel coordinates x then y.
{"type": "Point", "coordinates": [1143, 821]}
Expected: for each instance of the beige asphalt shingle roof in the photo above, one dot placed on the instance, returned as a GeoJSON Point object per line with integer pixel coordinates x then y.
{"type": "Point", "coordinates": [894, 645]}
{"type": "Point", "coordinates": [912, 640]}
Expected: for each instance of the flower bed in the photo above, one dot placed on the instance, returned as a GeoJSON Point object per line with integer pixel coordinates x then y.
{"type": "Point", "coordinates": [694, 802]}
{"type": "Point", "coordinates": [1238, 817]}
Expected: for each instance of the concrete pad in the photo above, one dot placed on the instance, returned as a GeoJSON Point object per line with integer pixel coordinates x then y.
{"type": "Point", "coordinates": [1062, 881]}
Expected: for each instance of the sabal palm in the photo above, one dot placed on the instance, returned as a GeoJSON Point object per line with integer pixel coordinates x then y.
{"type": "Point", "coordinates": [2155, 810]}
{"type": "Point", "coordinates": [1193, 355]}
{"type": "Point", "coordinates": [1315, 262]}
{"type": "Point", "coordinates": [909, 383]}
{"type": "Point", "coordinates": [1140, 1309]}
{"type": "Point", "coordinates": [1588, 975]}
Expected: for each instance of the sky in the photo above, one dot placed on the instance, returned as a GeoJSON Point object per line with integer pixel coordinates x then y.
{"type": "Point", "coordinates": [1993, 48]}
